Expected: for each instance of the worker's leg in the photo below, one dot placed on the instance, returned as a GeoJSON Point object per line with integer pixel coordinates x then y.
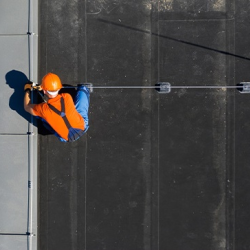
{"type": "Point", "coordinates": [82, 103]}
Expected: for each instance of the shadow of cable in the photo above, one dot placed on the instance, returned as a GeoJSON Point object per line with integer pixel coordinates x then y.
{"type": "Point", "coordinates": [174, 39]}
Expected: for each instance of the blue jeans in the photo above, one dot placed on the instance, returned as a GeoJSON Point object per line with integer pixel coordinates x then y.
{"type": "Point", "coordinates": [82, 106]}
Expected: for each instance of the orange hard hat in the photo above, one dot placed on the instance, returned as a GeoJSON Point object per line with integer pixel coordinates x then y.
{"type": "Point", "coordinates": [51, 82]}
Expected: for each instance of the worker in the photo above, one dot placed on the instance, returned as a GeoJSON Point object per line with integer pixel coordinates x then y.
{"type": "Point", "coordinates": [66, 119]}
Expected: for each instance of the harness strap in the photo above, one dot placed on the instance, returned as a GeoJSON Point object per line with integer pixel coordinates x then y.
{"type": "Point", "coordinates": [74, 133]}
{"type": "Point", "coordinates": [61, 113]}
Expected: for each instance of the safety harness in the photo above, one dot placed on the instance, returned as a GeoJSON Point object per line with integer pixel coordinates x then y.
{"type": "Point", "coordinates": [74, 133]}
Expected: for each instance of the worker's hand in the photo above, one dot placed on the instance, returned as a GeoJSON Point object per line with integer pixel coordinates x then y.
{"type": "Point", "coordinates": [37, 87]}
{"type": "Point", "coordinates": [28, 86]}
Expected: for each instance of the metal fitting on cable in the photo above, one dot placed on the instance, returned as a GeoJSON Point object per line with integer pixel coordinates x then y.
{"type": "Point", "coordinates": [244, 87]}
{"type": "Point", "coordinates": [163, 87]}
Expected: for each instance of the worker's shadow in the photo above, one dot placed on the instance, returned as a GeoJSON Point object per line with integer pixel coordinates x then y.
{"type": "Point", "coordinates": [16, 80]}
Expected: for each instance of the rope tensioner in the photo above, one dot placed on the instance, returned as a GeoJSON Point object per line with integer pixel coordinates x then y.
{"type": "Point", "coordinates": [165, 87]}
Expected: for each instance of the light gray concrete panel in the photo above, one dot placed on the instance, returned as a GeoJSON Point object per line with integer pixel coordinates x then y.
{"type": "Point", "coordinates": [17, 242]}
{"type": "Point", "coordinates": [14, 16]}
{"type": "Point", "coordinates": [13, 184]}
{"type": "Point", "coordinates": [14, 73]}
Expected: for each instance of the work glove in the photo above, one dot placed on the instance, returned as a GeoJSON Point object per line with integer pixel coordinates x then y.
{"type": "Point", "coordinates": [28, 86]}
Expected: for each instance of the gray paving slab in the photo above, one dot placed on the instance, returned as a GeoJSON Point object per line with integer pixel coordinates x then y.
{"type": "Point", "coordinates": [18, 188]}
{"type": "Point", "coordinates": [14, 73]}
{"type": "Point", "coordinates": [20, 242]}
{"type": "Point", "coordinates": [14, 184]}
{"type": "Point", "coordinates": [14, 17]}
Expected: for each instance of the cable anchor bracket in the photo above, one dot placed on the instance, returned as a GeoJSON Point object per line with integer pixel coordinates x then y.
{"type": "Point", "coordinates": [163, 87]}
{"type": "Point", "coordinates": [244, 87]}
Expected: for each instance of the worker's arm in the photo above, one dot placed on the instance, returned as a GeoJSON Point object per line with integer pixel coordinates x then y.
{"type": "Point", "coordinates": [28, 106]}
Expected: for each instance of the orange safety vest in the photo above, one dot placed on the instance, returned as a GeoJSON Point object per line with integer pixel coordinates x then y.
{"type": "Point", "coordinates": [62, 116]}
